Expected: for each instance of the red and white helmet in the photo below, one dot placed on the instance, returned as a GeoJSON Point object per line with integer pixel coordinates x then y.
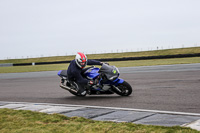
{"type": "Point", "coordinates": [81, 60]}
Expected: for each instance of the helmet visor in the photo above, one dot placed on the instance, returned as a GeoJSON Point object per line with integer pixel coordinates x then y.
{"type": "Point", "coordinates": [82, 64]}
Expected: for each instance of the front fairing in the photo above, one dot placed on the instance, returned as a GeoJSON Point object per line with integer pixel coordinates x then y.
{"type": "Point", "coordinates": [110, 72]}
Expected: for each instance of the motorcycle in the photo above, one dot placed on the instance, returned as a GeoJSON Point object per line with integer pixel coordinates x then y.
{"type": "Point", "coordinates": [107, 77]}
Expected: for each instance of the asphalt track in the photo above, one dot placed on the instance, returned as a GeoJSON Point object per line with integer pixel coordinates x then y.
{"type": "Point", "coordinates": [166, 88]}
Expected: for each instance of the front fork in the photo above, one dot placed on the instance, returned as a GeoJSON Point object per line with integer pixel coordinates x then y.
{"type": "Point", "coordinates": [117, 82]}
{"type": "Point", "coordinates": [116, 88]}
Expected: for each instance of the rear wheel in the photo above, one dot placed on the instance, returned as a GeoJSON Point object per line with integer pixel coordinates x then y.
{"type": "Point", "coordinates": [123, 89]}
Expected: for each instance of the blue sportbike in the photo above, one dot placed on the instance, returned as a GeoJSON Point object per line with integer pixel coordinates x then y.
{"type": "Point", "coordinates": [107, 77]}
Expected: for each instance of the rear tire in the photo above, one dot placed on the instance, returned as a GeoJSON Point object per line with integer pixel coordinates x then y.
{"type": "Point", "coordinates": [125, 89]}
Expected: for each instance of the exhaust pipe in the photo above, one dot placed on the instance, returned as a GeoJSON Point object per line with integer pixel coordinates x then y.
{"type": "Point", "coordinates": [67, 88]}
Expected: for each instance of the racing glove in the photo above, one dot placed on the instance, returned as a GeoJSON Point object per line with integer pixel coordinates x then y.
{"type": "Point", "coordinates": [104, 63]}
{"type": "Point", "coordinates": [92, 82]}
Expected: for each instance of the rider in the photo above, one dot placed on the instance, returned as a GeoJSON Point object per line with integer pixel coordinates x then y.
{"type": "Point", "coordinates": [75, 69]}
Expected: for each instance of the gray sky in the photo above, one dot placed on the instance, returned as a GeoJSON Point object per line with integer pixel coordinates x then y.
{"type": "Point", "coordinates": [58, 27]}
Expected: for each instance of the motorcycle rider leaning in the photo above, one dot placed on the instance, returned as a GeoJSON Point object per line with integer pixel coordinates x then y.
{"type": "Point", "coordinates": [75, 69]}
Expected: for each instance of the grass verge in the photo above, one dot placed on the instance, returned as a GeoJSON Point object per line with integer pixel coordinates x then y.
{"type": "Point", "coordinates": [55, 67]}
{"type": "Point", "coordinates": [21, 121]}
{"type": "Point", "coordinates": [191, 50]}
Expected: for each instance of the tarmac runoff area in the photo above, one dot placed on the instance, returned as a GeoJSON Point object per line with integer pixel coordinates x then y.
{"type": "Point", "coordinates": [137, 116]}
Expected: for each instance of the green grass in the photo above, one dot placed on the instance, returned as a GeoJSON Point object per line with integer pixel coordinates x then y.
{"type": "Point", "coordinates": [20, 121]}
{"type": "Point", "coordinates": [100, 56]}
{"type": "Point", "coordinates": [109, 55]}
{"type": "Point", "coordinates": [156, 62]}
{"type": "Point", "coordinates": [16, 69]}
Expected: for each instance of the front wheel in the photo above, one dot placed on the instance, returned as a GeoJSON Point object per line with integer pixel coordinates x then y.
{"type": "Point", "coordinates": [123, 89]}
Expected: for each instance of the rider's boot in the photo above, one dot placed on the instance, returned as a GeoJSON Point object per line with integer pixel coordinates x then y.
{"type": "Point", "coordinates": [81, 91]}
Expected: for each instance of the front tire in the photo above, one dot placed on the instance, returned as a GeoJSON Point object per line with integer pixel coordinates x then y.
{"type": "Point", "coordinates": [124, 89]}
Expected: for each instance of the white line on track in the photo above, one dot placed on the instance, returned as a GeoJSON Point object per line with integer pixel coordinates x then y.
{"type": "Point", "coordinates": [117, 108]}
